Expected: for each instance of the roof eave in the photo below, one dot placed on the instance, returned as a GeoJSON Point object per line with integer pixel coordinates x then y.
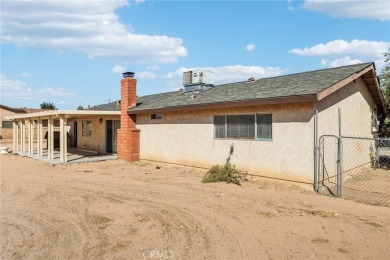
{"type": "Point", "coordinates": [238, 103]}
{"type": "Point", "coordinates": [66, 113]}
{"type": "Point", "coordinates": [374, 88]}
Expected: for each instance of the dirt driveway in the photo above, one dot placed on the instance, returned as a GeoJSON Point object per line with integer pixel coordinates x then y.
{"type": "Point", "coordinates": [118, 210]}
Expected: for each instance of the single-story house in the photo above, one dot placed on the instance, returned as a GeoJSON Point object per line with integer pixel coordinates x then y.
{"type": "Point", "coordinates": [270, 121]}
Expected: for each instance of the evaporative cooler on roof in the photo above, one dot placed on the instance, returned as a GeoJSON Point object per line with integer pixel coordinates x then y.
{"type": "Point", "coordinates": [198, 80]}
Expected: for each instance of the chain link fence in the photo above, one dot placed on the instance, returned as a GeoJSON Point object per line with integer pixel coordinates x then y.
{"type": "Point", "coordinates": [355, 168]}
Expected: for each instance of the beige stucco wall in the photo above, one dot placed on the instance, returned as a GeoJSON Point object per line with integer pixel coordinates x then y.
{"type": "Point", "coordinates": [356, 106]}
{"type": "Point", "coordinates": [357, 112]}
{"type": "Point", "coordinates": [188, 137]}
{"type": "Point", "coordinates": [97, 141]}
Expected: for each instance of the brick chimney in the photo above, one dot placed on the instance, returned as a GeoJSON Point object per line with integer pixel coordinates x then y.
{"type": "Point", "coordinates": [128, 135]}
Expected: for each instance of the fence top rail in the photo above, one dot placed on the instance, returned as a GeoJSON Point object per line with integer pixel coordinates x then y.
{"type": "Point", "coordinates": [367, 138]}
{"type": "Point", "coordinates": [361, 137]}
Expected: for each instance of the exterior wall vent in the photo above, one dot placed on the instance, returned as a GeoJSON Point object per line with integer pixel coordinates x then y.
{"type": "Point", "coordinates": [198, 80]}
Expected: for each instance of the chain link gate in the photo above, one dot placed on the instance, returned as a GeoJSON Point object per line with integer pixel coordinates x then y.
{"type": "Point", "coordinates": [354, 168]}
{"type": "Point", "coordinates": [329, 179]}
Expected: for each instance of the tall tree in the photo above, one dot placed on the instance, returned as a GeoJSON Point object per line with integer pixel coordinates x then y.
{"type": "Point", "coordinates": [80, 107]}
{"type": "Point", "coordinates": [385, 84]}
{"type": "Point", "coordinates": [48, 105]}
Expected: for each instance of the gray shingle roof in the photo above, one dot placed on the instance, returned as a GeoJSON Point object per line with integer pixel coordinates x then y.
{"type": "Point", "coordinates": [112, 106]}
{"type": "Point", "coordinates": [298, 84]}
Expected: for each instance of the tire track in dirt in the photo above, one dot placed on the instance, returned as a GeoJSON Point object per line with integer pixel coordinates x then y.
{"type": "Point", "coordinates": [39, 234]}
{"type": "Point", "coordinates": [173, 222]}
{"type": "Point", "coordinates": [123, 210]}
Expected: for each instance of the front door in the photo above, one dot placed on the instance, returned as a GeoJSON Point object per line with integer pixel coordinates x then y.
{"type": "Point", "coordinates": [75, 134]}
{"type": "Point", "coordinates": [116, 126]}
{"type": "Point", "coordinates": [109, 135]}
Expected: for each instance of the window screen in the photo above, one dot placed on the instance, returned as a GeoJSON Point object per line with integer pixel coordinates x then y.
{"type": "Point", "coordinates": [241, 126]}
{"type": "Point", "coordinates": [219, 127]}
{"type": "Point", "coordinates": [264, 126]}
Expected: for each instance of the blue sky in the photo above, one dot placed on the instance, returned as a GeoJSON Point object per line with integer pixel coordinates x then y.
{"type": "Point", "coordinates": [72, 52]}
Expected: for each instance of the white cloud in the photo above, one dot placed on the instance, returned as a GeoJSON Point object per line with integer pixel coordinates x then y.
{"type": "Point", "coordinates": [53, 92]}
{"type": "Point", "coordinates": [250, 47]}
{"type": "Point", "coordinates": [139, 1]}
{"type": "Point", "coordinates": [339, 62]}
{"type": "Point", "coordinates": [25, 75]}
{"type": "Point", "coordinates": [290, 7]}
{"type": "Point", "coordinates": [342, 47]}
{"type": "Point", "coordinates": [366, 9]}
{"type": "Point", "coordinates": [153, 67]}
{"type": "Point", "coordinates": [227, 74]}
{"type": "Point", "coordinates": [11, 89]}
{"type": "Point", "coordinates": [118, 69]}
{"type": "Point", "coordinates": [145, 75]}
{"type": "Point", "coordinates": [85, 26]}
{"type": "Point", "coordinates": [14, 89]}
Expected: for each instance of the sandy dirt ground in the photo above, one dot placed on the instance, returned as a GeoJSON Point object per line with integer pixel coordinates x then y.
{"type": "Point", "coordinates": [118, 210]}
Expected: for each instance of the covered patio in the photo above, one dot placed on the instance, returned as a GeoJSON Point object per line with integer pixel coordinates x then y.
{"type": "Point", "coordinates": [25, 143]}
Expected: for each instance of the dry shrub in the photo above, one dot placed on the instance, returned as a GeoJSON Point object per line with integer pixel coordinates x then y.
{"type": "Point", "coordinates": [225, 173]}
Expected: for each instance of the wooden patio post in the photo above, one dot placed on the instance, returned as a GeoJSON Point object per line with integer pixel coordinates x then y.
{"type": "Point", "coordinates": [63, 140]}
{"type": "Point", "coordinates": [50, 139]}
{"type": "Point", "coordinates": [15, 136]}
{"type": "Point", "coordinates": [23, 135]}
{"type": "Point", "coordinates": [40, 146]}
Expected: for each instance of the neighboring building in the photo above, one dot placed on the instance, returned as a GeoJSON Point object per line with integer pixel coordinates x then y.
{"type": "Point", "coordinates": [6, 125]}
{"type": "Point", "coordinates": [270, 121]}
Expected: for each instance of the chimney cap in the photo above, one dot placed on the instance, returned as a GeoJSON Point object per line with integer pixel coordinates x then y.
{"type": "Point", "coordinates": [128, 74]}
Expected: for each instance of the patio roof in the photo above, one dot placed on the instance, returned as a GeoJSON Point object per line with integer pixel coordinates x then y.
{"type": "Point", "coordinates": [65, 113]}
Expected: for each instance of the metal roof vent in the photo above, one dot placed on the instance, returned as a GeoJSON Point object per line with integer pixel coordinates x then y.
{"type": "Point", "coordinates": [128, 75]}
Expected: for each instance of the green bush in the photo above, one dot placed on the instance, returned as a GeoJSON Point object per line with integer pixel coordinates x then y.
{"type": "Point", "coordinates": [227, 172]}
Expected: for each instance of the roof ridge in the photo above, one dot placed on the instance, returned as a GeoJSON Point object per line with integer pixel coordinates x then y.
{"type": "Point", "coordinates": [299, 73]}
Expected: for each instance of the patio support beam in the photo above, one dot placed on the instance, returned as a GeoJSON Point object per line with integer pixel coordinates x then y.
{"type": "Point", "coordinates": [31, 136]}
{"type": "Point", "coordinates": [63, 140]}
{"type": "Point", "coordinates": [50, 139]}
{"type": "Point", "coordinates": [40, 146]}
{"type": "Point", "coordinates": [28, 136]}
{"type": "Point", "coordinates": [18, 147]}
{"type": "Point", "coordinates": [15, 136]}
{"type": "Point", "coordinates": [23, 136]}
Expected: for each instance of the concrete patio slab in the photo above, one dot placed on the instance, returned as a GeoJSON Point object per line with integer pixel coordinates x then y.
{"type": "Point", "coordinates": [74, 156]}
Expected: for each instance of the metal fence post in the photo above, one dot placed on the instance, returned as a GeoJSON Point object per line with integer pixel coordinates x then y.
{"type": "Point", "coordinates": [339, 160]}
{"type": "Point", "coordinates": [316, 153]}
{"type": "Point", "coordinates": [377, 163]}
